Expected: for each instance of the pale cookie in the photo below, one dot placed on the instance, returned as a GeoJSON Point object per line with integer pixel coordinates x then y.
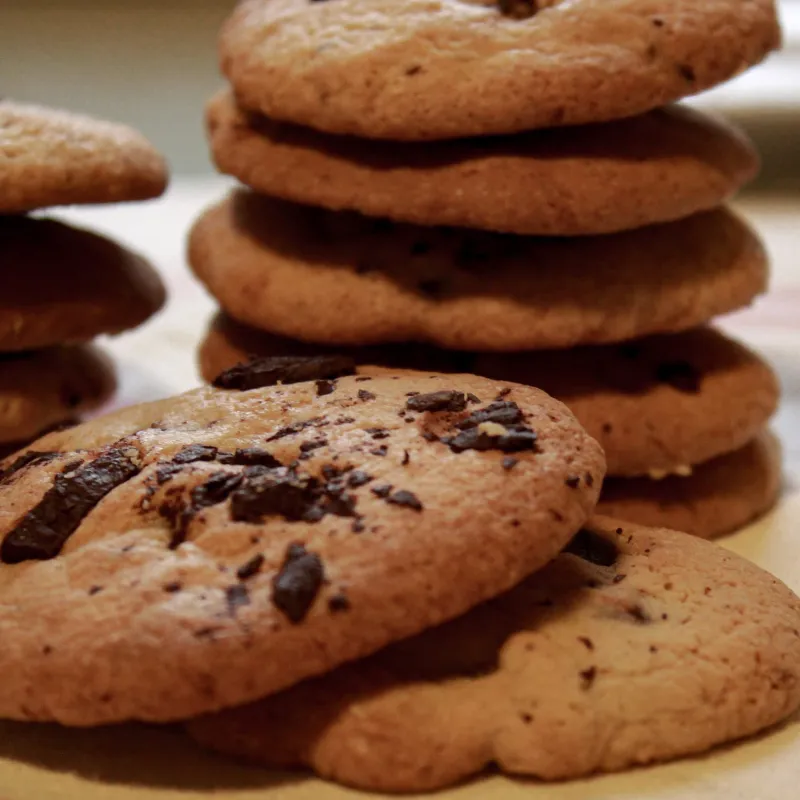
{"type": "Point", "coordinates": [160, 562]}
{"type": "Point", "coordinates": [655, 405]}
{"type": "Point", "coordinates": [451, 68]}
{"type": "Point", "coordinates": [716, 498]}
{"type": "Point", "coordinates": [55, 158]}
{"type": "Point", "coordinates": [341, 278]}
{"type": "Point", "coordinates": [61, 285]}
{"type": "Point", "coordinates": [661, 166]}
{"type": "Point", "coordinates": [43, 388]}
{"type": "Point", "coordinates": [636, 645]}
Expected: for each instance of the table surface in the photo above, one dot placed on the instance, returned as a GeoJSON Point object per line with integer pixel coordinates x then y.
{"type": "Point", "coordinates": [132, 762]}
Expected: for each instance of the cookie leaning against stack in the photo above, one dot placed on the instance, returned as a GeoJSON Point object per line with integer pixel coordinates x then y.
{"type": "Point", "coordinates": [60, 286]}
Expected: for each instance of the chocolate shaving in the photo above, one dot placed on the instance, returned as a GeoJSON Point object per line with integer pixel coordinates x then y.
{"type": "Point", "coordinates": [296, 586]}
{"type": "Point", "coordinates": [274, 370]}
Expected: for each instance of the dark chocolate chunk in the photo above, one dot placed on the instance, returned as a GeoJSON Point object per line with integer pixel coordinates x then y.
{"type": "Point", "coordinates": [380, 451]}
{"type": "Point", "coordinates": [509, 463]}
{"type": "Point", "coordinates": [273, 370]}
{"type": "Point", "coordinates": [344, 420]}
{"type": "Point", "coordinates": [236, 596]}
{"type": "Point", "coordinates": [447, 400]}
{"type": "Point", "coordinates": [592, 548]}
{"type": "Point", "coordinates": [273, 492]}
{"type": "Point", "coordinates": [194, 453]}
{"type": "Point", "coordinates": [295, 427]}
{"type": "Point", "coordinates": [501, 412]}
{"type": "Point", "coordinates": [505, 392]}
{"type": "Point", "coordinates": [588, 677]}
{"type": "Point", "coordinates": [430, 436]}
{"type": "Point", "coordinates": [307, 447]}
{"type": "Point", "coordinates": [250, 457]}
{"type": "Point", "coordinates": [573, 481]}
{"type": "Point", "coordinates": [474, 399]}
{"type": "Point", "coordinates": [518, 9]}
{"type": "Point", "coordinates": [515, 439]}
{"type": "Point", "coordinates": [358, 478]}
{"type": "Point", "coordinates": [43, 531]}
{"type": "Point", "coordinates": [364, 395]}
{"type": "Point", "coordinates": [681, 375]}
{"type": "Point", "coordinates": [382, 490]}
{"type": "Point", "coordinates": [339, 602]}
{"type": "Point", "coordinates": [325, 387]}
{"type": "Point", "coordinates": [407, 499]}
{"type": "Point", "coordinates": [378, 433]}
{"type": "Point", "coordinates": [26, 460]}
{"type": "Point", "coordinates": [251, 567]}
{"type": "Point", "coordinates": [295, 587]}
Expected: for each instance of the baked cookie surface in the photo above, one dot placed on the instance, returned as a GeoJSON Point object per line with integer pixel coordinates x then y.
{"type": "Point", "coordinates": [661, 166]}
{"type": "Point", "coordinates": [207, 550]}
{"type": "Point", "coordinates": [441, 70]}
{"type": "Point", "coordinates": [54, 158]}
{"type": "Point", "coordinates": [635, 645]}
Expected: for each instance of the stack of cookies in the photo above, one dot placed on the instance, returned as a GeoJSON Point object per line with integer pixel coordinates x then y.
{"type": "Point", "coordinates": [507, 184]}
{"type": "Point", "coordinates": [60, 287]}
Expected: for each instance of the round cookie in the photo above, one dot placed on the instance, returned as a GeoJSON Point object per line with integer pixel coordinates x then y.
{"type": "Point", "coordinates": [43, 388]}
{"type": "Point", "coordinates": [455, 68]}
{"type": "Point", "coordinates": [54, 158]}
{"type": "Point", "coordinates": [718, 497]}
{"type": "Point", "coordinates": [635, 645]}
{"type": "Point", "coordinates": [158, 563]}
{"type": "Point", "coordinates": [62, 285]}
{"type": "Point", "coordinates": [657, 167]}
{"type": "Point", "coordinates": [341, 278]}
{"type": "Point", "coordinates": [655, 405]}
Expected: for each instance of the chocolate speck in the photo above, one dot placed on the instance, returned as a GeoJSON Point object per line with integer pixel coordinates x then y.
{"type": "Point", "coordinates": [573, 481]}
{"type": "Point", "coordinates": [358, 478]}
{"type": "Point", "coordinates": [380, 451]}
{"type": "Point", "coordinates": [363, 378]}
{"type": "Point", "coordinates": [358, 526]}
{"type": "Point", "coordinates": [382, 490]}
{"type": "Point", "coordinates": [95, 590]}
{"type": "Point", "coordinates": [172, 587]}
{"type": "Point", "coordinates": [236, 596]}
{"type": "Point", "coordinates": [509, 463]}
{"type": "Point", "coordinates": [365, 396]}
{"type": "Point", "coordinates": [338, 603]}
{"type": "Point", "coordinates": [194, 453]}
{"type": "Point", "coordinates": [378, 433]}
{"type": "Point", "coordinates": [518, 9]}
{"type": "Point", "coordinates": [270, 371]}
{"type": "Point", "coordinates": [586, 642]}
{"type": "Point", "coordinates": [405, 498]}
{"type": "Point", "coordinates": [250, 568]}
{"type": "Point", "coordinates": [588, 677]}
{"type": "Point", "coordinates": [589, 479]}
{"type": "Point", "coordinates": [505, 392]}
{"type": "Point", "coordinates": [686, 72]}
{"type": "Point", "coordinates": [250, 457]}
{"type": "Point", "coordinates": [406, 458]}
{"type": "Point", "coordinates": [295, 587]}
{"type": "Point", "coordinates": [638, 614]}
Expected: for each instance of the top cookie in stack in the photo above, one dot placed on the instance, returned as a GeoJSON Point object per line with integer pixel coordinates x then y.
{"type": "Point", "coordinates": [408, 160]}
{"type": "Point", "coordinates": [60, 286]}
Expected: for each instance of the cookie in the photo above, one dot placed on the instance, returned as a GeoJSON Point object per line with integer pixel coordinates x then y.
{"type": "Point", "coordinates": [655, 405]}
{"type": "Point", "coordinates": [344, 279]}
{"type": "Point", "coordinates": [43, 388]}
{"type": "Point", "coordinates": [661, 166]}
{"type": "Point", "coordinates": [56, 158]}
{"type": "Point", "coordinates": [62, 285]}
{"type": "Point", "coordinates": [636, 645]}
{"type": "Point", "coordinates": [715, 498]}
{"type": "Point", "coordinates": [160, 562]}
{"type": "Point", "coordinates": [455, 68]}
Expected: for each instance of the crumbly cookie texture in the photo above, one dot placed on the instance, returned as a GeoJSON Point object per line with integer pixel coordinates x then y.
{"type": "Point", "coordinates": [635, 645]}
{"type": "Point", "coordinates": [55, 158]}
{"type": "Point", "coordinates": [660, 166]}
{"type": "Point", "coordinates": [208, 550]}
{"type": "Point", "coordinates": [453, 68]}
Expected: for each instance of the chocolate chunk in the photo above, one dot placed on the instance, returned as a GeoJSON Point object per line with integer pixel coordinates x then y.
{"type": "Point", "coordinates": [573, 481]}
{"type": "Point", "coordinates": [447, 400]}
{"type": "Point", "coordinates": [194, 453]}
{"type": "Point", "coordinates": [406, 458]}
{"type": "Point", "coordinates": [251, 567]}
{"type": "Point", "coordinates": [588, 677]}
{"type": "Point", "coordinates": [509, 463]}
{"type": "Point", "coordinates": [358, 478]}
{"type": "Point", "coordinates": [593, 548]}
{"type": "Point", "coordinates": [474, 399]}
{"type": "Point", "coordinates": [44, 530]}
{"type": "Point", "coordinates": [380, 451]}
{"type": "Point", "coordinates": [295, 587]}
{"type": "Point", "coordinates": [273, 492]}
{"type": "Point", "coordinates": [518, 9]}
{"type": "Point", "coordinates": [26, 460]}
{"type": "Point", "coordinates": [339, 602]}
{"type": "Point", "coordinates": [586, 642]}
{"type": "Point", "coordinates": [407, 499]}
{"type": "Point", "coordinates": [236, 596]}
{"type": "Point", "coordinates": [273, 370]}
{"type": "Point", "coordinates": [340, 505]}
{"type": "Point", "coordinates": [378, 433]}
{"type": "Point", "coordinates": [364, 395]}
{"type": "Point", "coordinates": [166, 472]}
{"type": "Point", "coordinates": [250, 457]}
{"type": "Point", "coordinates": [344, 420]}
{"type": "Point", "coordinates": [307, 447]}
{"type": "Point", "coordinates": [430, 436]}
{"type": "Point", "coordinates": [172, 587]}
{"type": "Point", "coordinates": [515, 439]}
{"type": "Point", "coordinates": [681, 375]}
{"type": "Point", "coordinates": [382, 490]}
{"type": "Point", "coordinates": [295, 427]}
{"type": "Point", "coordinates": [95, 590]}
{"type": "Point", "coordinates": [505, 392]}
{"type": "Point", "coordinates": [501, 412]}
{"type": "Point", "coordinates": [325, 387]}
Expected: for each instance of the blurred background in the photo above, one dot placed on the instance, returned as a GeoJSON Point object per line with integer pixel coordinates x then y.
{"type": "Point", "coordinates": [152, 63]}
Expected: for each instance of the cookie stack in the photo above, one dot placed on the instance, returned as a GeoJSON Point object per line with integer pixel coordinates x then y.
{"type": "Point", "coordinates": [60, 287]}
{"type": "Point", "coordinates": [508, 184]}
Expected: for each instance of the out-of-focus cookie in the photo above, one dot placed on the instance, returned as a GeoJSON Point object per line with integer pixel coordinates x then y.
{"type": "Point", "coordinates": [43, 388]}
{"type": "Point", "coordinates": [656, 405]}
{"type": "Point", "coordinates": [54, 158]}
{"type": "Point", "coordinates": [714, 498]}
{"type": "Point", "coordinates": [342, 278]}
{"type": "Point", "coordinates": [454, 68]}
{"type": "Point", "coordinates": [63, 285]}
{"type": "Point", "coordinates": [661, 166]}
{"type": "Point", "coordinates": [636, 645]}
{"type": "Point", "coordinates": [210, 549]}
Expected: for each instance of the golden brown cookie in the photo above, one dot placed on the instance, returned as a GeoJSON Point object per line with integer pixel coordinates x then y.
{"type": "Point", "coordinates": [207, 550]}
{"type": "Point", "coordinates": [43, 388]}
{"type": "Point", "coordinates": [443, 70]}
{"type": "Point", "coordinates": [344, 279]}
{"type": "Point", "coordinates": [717, 497]}
{"type": "Point", "coordinates": [54, 158]}
{"type": "Point", "coordinates": [61, 285]}
{"type": "Point", "coordinates": [661, 166]}
{"type": "Point", "coordinates": [636, 645]}
{"type": "Point", "coordinates": [655, 405]}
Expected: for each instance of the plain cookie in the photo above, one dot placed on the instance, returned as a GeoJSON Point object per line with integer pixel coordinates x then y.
{"type": "Point", "coordinates": [658, 167]}
{"type": "Point", "coordinates": [344, 279]}
{"type": "Point", "coordinates": [55, 158]}
{"type": "Point", "coordinates": [718, 497]}
{"type": "Point", "coordinates": [43, 388]}
{"type": "Point", "coordinates": [207, 550]}
{"type": "Point", "coordinates": [63, 285]}
{"type": "Point", "coordinates": [636, 645]}
{"type": "Point", "coordinates": [453, 68]}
